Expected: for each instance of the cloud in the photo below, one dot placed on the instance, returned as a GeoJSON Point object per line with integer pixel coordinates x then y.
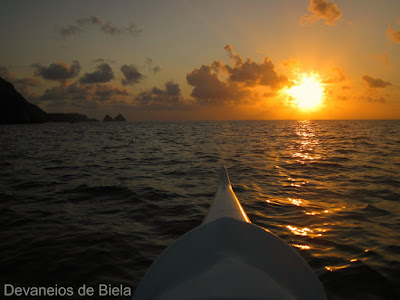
{"type": "Point", "coordinates": [89, 20]}
{"type": "Point", "coordinates": [234, 56]}
{"type": "Point", "coordinates": [69, 30]}
{"type": "Point", "coordinates": [105, 92]}
{"type": "Point", "coordinates": [241, 79]}
{"type": "Point", "coordinates": [83, 92]}
{"type": "Point", "coordinates": [103, 73]}
{"type": "Point", "coordinates": [105, 26]}
{"type": "Point", "coordinates": [339, 77]}
{"type": "Point", "coordinates": [322, 9]}
{"type": "Point", "coordinates": [382, 58]}
{"type": "Point", "coordinates": [26, 81]}
{"type": "Point", "coordinates": [149, 64]}
{"type": "Point", "coordinates": [252, 73]}
{"type": "Point", "coordinates": [169, 97]}
{"type": "Point", "coordinates": [131, 74]}
{"type": "Point", "coordinates": [104, 60]}
{"type": "Point", "coordinates": [375, 83]}
{"type": "Point", "coordinates": [58, 71]}
{"type": "Point", "coordinates": [208, 88]}
{"type": "Point", "coordinates": [393, 34]}
{"type": "Point", "coordinates": [376, 99]}
{"type": "Point", "coordinates": [64, 92]}
{"type": "Point", "coordinates": [22, 85]}
{"type": "Point", "coordinates": [114, 30]}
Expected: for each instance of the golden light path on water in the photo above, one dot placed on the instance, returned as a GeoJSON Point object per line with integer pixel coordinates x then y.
{"type": "Point", "coordinates": [302, 152]}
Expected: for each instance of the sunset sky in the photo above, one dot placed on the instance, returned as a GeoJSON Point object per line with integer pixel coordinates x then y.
{"type": "Point", "coordinates": [205, 59]}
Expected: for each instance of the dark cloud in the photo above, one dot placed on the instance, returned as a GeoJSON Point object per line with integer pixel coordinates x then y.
{"type": "Point", "coordinates": [22, 85]}
{"type": "Point", "coordinates": [106, 27]}
{"type": "Point", "coordinates": [375, 83]}
{"type": "Point", "coordinates": [88, 20]}
{"type": "Point", "coordinates": [69, 30]}
{"type": "Point", "coordinates": [131, 74]}
{"type": "Point", "coordinates": [114, 30]}
{"type": "Point", "coordinates": [235, 58]}
{"type": "Point", "coordinates": [151, 67]}
{"type": "Point", "coordinates": [379, 99]}
{"type": "Point", "coordinates": [169, 97]}
{"type": "Point", "coordinates": [104, 60]}
{"type": "Point", "coordinates": [103, 73]}
{"type": "Point", "coordinates": [64, 92]}
{"type": "Point", "coordinates": [81, 92]}
{"type": "Point", "coordinates": [105, 92]}
{"type": "Point", "coordinates": [252, 73]}
{"type": "Point", "coordinates": [393, 34]}
{"type": "Point", "coordinates": [58, 71]}
{"type": "Point", "coordinates": [322, 9]}
{"type": "Point", "coordinates": [208, 88]}
{"type": "Point", "coordinates": [26, 81]}
{"type": "Point", "coordinates": [67, 97]}
{"type": "Point", "coordinates": [172, 89]}
{"type": "Point", "coordinates": [241, 78]}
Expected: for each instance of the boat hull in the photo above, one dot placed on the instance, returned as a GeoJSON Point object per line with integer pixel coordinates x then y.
{"type": "Point", "coordinates": [228, 257]}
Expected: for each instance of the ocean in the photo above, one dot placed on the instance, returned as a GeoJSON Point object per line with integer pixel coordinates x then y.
{"type": "Point", "coordinates": [93, 204]}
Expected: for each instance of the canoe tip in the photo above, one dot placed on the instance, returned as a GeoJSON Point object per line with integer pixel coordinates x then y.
{"type": "Point", "coordinates": [224, 177]}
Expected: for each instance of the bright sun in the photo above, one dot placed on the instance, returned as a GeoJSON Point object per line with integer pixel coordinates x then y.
{"type": "Point", "coordinates": [308, 93]}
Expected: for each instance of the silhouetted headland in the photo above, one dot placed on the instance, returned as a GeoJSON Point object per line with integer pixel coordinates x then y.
{"type": "Point", "coordinates": [15, 109]}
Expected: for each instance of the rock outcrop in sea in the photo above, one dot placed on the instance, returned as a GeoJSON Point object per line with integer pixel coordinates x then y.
{"type": "Point", "coordinates": [14, 109]}
{"type": "Point", "coordinates": [107, 118]}
{"type": "Point", "coordinates": [119, 118]}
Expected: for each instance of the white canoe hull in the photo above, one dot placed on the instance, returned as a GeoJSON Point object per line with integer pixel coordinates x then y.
{"type": "Point", "coordinates": [227, 257]}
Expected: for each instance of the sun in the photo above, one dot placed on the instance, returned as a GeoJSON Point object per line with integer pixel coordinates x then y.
{"type": "Point", "coordinates": [308, 93]}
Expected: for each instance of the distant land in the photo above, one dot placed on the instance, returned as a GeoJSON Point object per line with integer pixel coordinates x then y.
{"type": "Point", "coordinates": [15, 109]}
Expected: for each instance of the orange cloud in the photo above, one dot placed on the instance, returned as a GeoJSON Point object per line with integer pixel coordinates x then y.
{"type": "Point", "coordinates": [242, 79]}
{"type": "Point", "coordinates": [382, 58]}
{"type": "Point", "coordinates": [393, 34]}
{"type": "Point", "coordinates": [322, 9]}
{"type": "Point", "coordinates": [339, 76]}
{"type": "Point", "coordinates": [375, 82]}
{"type": "Point", "coordinates": [22, 85]}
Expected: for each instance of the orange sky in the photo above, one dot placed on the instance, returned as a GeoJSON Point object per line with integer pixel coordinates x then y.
{"type": "Point", "coordinates": [196, 60]}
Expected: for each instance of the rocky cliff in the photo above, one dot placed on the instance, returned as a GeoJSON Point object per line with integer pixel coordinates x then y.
{"type": "Point", "coordinates": [14, 109]}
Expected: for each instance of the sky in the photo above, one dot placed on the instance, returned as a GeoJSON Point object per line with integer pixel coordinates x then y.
{"type": "Point", "coordinates": [205, 59]}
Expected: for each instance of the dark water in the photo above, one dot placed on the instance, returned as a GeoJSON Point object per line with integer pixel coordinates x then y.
{"type": "Point", "coordinates": [97, 203]}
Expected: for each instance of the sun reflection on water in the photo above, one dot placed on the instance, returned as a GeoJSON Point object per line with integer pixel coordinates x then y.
{"type": "Point", "coordinates": [302, 247]}
{"type": "Point", "coordinates": [305, 231]}
{"type": "Point", "coordinates": [303, 150]}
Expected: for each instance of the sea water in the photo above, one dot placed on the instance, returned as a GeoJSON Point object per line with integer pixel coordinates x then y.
{"type": "Point", "coordinates": [93, 204]}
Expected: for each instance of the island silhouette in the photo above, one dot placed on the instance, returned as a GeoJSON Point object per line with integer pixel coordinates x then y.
{"type": "Point", "coordinates": [119, 118]}
{"type": "Point", "coordinates": [15, 109]}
